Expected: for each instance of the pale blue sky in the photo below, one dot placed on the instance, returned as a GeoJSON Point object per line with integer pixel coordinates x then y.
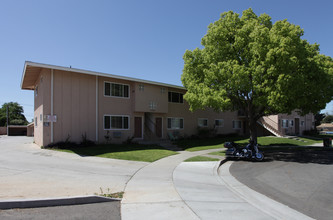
{"type": "Point", "coordinates": [143, 39]}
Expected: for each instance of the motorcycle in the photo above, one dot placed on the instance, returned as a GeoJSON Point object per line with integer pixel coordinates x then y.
{"type": "Point", "coordinates": [250, 151]}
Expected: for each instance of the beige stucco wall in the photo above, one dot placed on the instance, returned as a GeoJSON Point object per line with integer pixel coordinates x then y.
{"type": "Point", "coordinates": [74, 106]}
{"type": "Point", "coordinates": [150, 93]}
{"type": "Point", "coordinates": [191, 119]}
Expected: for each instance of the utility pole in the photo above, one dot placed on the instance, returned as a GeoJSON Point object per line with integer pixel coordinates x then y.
{"type": "Point", "coordinates": [7, 119]}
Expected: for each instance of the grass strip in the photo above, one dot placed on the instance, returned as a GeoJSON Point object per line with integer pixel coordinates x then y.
{"type": "Point", "coordinates": [201, 158]}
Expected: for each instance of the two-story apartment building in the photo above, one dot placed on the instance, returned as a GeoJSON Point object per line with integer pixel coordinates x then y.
{"type": "Point", "coordinates": [71, 103]}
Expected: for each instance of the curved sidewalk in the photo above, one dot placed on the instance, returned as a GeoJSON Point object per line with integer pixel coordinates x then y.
{"type": "Point", "coordinates": [170, 189]}
{"type": "Point", "coordinates": [151, 194]}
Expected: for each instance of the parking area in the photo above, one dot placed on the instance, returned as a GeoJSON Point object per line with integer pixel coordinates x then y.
{"type": "Point", "coordinates": [302, 181]}
{"type": "Point", "coordinates": [26, 171]}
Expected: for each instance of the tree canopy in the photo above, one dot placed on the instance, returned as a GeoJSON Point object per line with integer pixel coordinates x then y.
{"type": "Point", "coordinates": [250, 64]}
{"type": "Point", "coordinates": [328, 119]}
{"type": "Point", "coordinates": [16, 115]}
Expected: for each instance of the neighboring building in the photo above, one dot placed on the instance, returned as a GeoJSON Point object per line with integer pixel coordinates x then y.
{"type": "Point", "coordinates": [325, 127]}
{"type": "Point", "coordinates": [30, 129]}
{"type": "Point", "coordinates": [17, 130]}
{"type": "Point", "coordinates": [3, 130]}
{"type": "Point", "coordinates": [72, 104]}
{"type": "Point", "coordinates": [282, 124]}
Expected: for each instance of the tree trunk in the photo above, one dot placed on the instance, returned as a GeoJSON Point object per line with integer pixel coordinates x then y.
{"type": "Point", "coordinates": [253, 129]}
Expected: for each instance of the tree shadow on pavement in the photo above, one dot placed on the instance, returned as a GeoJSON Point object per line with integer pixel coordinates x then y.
{"type": "Point", "coordinates": [316, 155]}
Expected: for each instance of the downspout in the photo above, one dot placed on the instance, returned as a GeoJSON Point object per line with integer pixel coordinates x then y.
{"type": "Point", "coordinates": [52, 105]}
{"type": "Point", "coordinates": [96, 108]}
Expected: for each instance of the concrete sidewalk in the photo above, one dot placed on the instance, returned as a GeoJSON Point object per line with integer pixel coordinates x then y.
{"type": "Point", "coordinates": [151, 193]}
{"type": "Point", "coordinates": [172, 189]}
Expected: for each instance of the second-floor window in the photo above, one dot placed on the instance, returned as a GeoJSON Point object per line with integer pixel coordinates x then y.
{"type": "Point", "coordinates": [116, 90]}
{"type": "Point", "coordinates": [175, 97]}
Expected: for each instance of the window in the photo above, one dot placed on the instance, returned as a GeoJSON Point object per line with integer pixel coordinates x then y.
{"type": "Point", "coordinates": [219, 122]}
{"type": "Point", "coordinates": [35, 121]}
{"type": "Point", "coordinates": [152, 105]}
{"type": "Point", "coordinates": [285, 123]}
{"type": "Point", "coordinates": [291, 123]}
{"type": "Point", "coordinates": [175, 97]}
{"type": "Point", "coordinates": [116, 90]}
{"type": "Point", "coordinates": [302, 123]}
{"type": "Point", "coordinates": [203, 122]}
{"type": "Point", "coordinates": [162, 90]}
{"type": "Point", "coordinates": [41, 117]}
{"type": "Point", "coordinates": [114, 122]}
{"type": "Point", "coordinates": [141, 87]}
{"type": "Point", "coordinates": [175, 123]}
{"type": "Point", "coordinates": [236, 124]}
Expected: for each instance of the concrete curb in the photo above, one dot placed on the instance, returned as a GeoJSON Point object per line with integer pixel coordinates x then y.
{"type": "Point", "coordinates": [38, 203]}
{"type": "Point", "coordinates": [265, 204]}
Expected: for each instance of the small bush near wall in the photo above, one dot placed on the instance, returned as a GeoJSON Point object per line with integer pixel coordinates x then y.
{"type": "Point", "coordinates": [206, 132]}
{"type": "Point", "coordinates": [311, 132]}
{"type": "Point", "coordinates": [85, 142]}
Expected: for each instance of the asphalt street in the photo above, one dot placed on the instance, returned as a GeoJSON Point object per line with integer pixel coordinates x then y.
{"type": "Point", "coordinates": [106, 210]}
{"type": "Point", "coordinates": [303, 180]}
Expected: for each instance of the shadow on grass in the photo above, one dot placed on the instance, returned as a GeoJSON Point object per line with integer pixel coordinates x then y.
{"type": "Point", "coordinates": [299, 154]}
{"type": "Point", "coordinates": [111, 148]}
{"type": "Point", "coordinates": [192, 143]}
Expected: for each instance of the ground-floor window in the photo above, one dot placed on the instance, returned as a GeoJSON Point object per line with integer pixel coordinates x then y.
{"type": "Point", "coordinates": [203, 122]}
{"type": "Point", "coordinates": [116, 122]}
{"type": "Point", "coordinates": [236, 124]}
{"type": "Point", "coordinates": [175, 123]}
{"type": "Point", "coordinates": [285, 123]}
{"type": "Point", "coordinates": [291, 123]}
{"type": "Point", "coordinates": [219, 123]}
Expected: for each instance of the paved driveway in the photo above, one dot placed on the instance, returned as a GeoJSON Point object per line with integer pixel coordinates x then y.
{"type": "Point", "coordinates": [26, 171]}
{"type": "Point", "coordinates": [303, 181]}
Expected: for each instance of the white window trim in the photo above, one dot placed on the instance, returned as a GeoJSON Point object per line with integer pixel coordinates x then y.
{"type": "Point", "coordinates": [120, 97]}
{"type": "Point", "coordinates": [176, 128]}
{"type": "Point", "coordinates": [233, 124]}
{"type": "Point", "coordinates": [219, 126]}
{"type": "Point", "coordinates": [203, 126]}
{"type": "Point", "coordinates": [176, 102]}
{"type": "Point", "coordinates": [117, 129]}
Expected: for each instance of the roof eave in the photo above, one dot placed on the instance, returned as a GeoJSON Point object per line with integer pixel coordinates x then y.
{"type": "Point", "coordinates": [48, 66]}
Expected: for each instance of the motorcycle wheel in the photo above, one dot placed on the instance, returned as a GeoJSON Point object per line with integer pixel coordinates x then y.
{"type": "Point", "coordinates": [259, 156]}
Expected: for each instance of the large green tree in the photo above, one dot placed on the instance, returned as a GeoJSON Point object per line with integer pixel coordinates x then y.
{"type": "Point", "coordinates": [247, 63]}
{"type": "Point", "coordinates": [16, 115]}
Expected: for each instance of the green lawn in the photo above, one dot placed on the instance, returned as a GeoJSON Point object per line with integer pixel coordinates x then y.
{"type": "Point", "coordinates": [213, 143]}
{"type": "Point", "coordinates": [201, 158]}
{"type": "Point", "coordinates": [146, 153]}
{"type": "Point", "coordinates": [219, 153]}
{"type": "Point", "coordinates": [277, 141]}
{"type": "Point", "coordinates": [205, 144]}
